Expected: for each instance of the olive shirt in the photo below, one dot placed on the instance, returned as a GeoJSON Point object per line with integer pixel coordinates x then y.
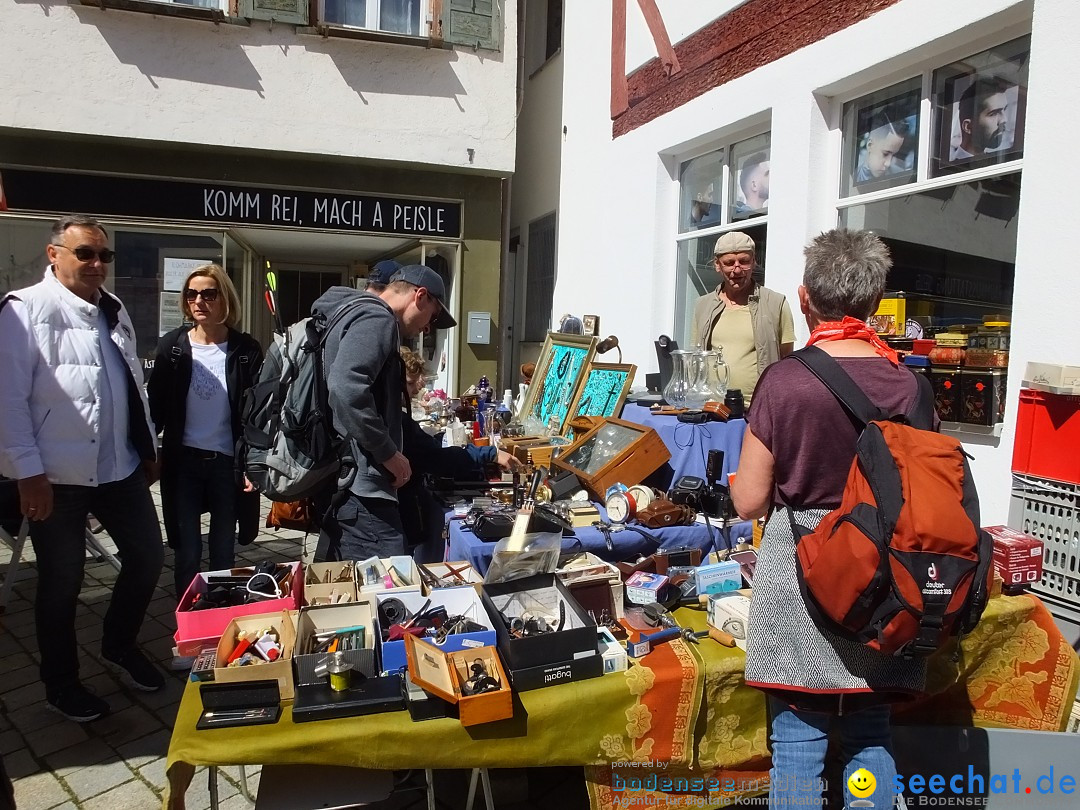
{"type": "Point", "coordinates": [750, 336]}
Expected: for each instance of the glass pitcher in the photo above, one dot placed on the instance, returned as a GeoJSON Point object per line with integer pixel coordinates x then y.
{"type": "Point", "coordinates": [710, 378]}
{"type": "Point", "coordinates": [682, 371]}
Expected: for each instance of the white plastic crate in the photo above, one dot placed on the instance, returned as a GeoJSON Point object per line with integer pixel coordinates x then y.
{"type": "Point", "coordinates": [1050, 511]}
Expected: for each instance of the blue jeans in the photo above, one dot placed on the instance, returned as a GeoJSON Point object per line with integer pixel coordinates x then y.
{"type": "Point", "coordinates": [192, 482]}
{"type": "Point", "coordinates": [800, 740]}
{"type": "Point", "coordinates": [127, 512]}
{"type": "Point", "coordinates": [360, 528]}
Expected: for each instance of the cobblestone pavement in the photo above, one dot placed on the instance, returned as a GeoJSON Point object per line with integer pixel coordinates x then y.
{"type": "Point", "coordinates": [118, 762]}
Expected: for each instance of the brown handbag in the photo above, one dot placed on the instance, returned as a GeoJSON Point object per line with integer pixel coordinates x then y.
{"type": "Point", "coordinates": [292, 515]}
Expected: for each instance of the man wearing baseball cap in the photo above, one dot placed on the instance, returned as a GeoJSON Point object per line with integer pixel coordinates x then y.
{"type": "Point", "coordinates": [379, 275]}
{"type": "Point", "coordinates": [751, 323]}
{"type": "Point", "coordinates": [365, 384]}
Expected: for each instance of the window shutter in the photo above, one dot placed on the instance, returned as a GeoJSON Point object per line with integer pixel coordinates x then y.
{"type": "Point", "coordinates": [283, 11]}
{"type": "Point", "coordinates": [474, 23]}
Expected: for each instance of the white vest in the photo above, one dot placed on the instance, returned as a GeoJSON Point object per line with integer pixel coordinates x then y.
{"type": "Point", "coordinates": [64, 406]}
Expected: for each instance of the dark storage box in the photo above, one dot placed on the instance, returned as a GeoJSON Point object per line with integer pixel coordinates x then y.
{"type": "Point", "coordinates": [946, 382]}
{"type": "Point", "coordinates": [364, 696]}
{"type": "Point", "coordinates": [541, 594]}
{"type": "Point", "coordinates": [579, 669]}
{"type": "Point", "coordinates": [244, 703]}
{"type": "Point", "coordinates": [983, 396]}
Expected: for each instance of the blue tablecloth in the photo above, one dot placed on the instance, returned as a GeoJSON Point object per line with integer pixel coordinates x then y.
{"type": "Point", "coordinates": [689, 444]}
{"type": "Point", "coordinates": [464, 545]}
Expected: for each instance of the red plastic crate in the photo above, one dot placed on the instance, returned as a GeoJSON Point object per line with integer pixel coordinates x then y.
{"type": "Point", "coordinates": [1048, 436]}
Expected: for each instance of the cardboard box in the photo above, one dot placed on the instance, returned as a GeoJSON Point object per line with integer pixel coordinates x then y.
{"type": "Point", "coordinates": [1018, 557]}
{"type": "Point", "coordinates": [730, 612]}
{"type": "Point", "coordinates": [460, 601]}
{"type": "Point", "coordinates": [613, 653]}
{"type": "Point", "coordinates": [330, 583]}
{"type": "Point", "coordinates": [404, 567]}
{"type": "Point", "coordinates": [196, 629]}
{"type": "Point", "coordinates": [720, 577]}
{"type": "Point", "coordinates": [587, 567]}
{"type": "Point", "coordinates": [558, 654]}
{"type": "Point", "coordinates": [643, 588]}
{"type": "Point", "coordinates": [890, 317]}
{"type": "Point", "coordinates": [449, 674]}
{"type": "Point", "coordinates": [280, 670]}
{"type": "Point", "coordinates": [453, 574]}
{"type": "Point", "coordinates": [324, 618]}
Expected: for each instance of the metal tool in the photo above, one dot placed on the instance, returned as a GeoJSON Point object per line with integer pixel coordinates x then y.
{"type": "Point", "coordinates": [644, 645]}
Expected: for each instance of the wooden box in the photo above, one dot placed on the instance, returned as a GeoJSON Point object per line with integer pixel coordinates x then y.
{"type": "Point", "coordinates": [534, 451]}
{"type": "Point", "coordinates": [444, 674]}
{"type": "Point", "coordinates": [616, 451]}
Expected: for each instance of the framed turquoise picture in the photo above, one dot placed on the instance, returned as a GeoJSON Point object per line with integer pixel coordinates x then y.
{"type": "Point", "coordinates": [604, 390]}
{"type": "Point", "coordinates": [560, 370]}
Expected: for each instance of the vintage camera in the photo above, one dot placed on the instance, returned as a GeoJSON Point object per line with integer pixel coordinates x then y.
{"type": "Point", "coordinates": [707, 495]}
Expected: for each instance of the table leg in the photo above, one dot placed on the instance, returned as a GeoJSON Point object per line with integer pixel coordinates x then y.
{"type": "Point", "coordinates": [429, 778]}
{"type": "Point", "coordinates": [211, 777]}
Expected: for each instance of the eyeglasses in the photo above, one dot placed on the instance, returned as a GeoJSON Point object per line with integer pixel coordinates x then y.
{"type": "Point", "coordinates": [741, 262]}
{"type": "Point", "coordinates": [209, 295]}
{"type": "Point", "coordinates": [87, 254]}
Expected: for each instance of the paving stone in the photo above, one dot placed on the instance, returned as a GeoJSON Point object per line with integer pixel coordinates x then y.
{"type": "Point", "coordinates": [9, 645]}
{"type": "Point", "coordinates": [20, 629]}
{"type": "Point", "coordinates": [39, 792]}
{"type": "Point", "coordinates": [104, 685]}
{"type": "Point", "coordinates": [133, 795]}
{"type": "Point", "coordinates": [154, 773]}
{"type": "Point", "coordinates": [79, 756]}
{"type": "Point", "coordinates": [34, 716]}
{"type": "Point", "coordinates": [22, 671]}
{"type": "Point", "coordinates": [144, 750]}
{"type": "Point", "coordinates": [86, 783]}
{"type": "Point", "coordinates": [48, 740]}
{"type": "Point", "coordinates": [127, 725]}
{"type": "Point", "coordinates": [24, 693]}
{"type": "Point", "coordinates": [169, 694]}
{"type": "Point", "coordinates": [198, 794]}
{"type": "Point", "coordinates": [11, 740]}
{"type": "Point", "coordinates": [20, 763]}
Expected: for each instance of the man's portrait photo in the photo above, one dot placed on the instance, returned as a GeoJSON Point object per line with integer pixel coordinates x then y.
{"type": "Point", "coordinates": [980, 108]}
{"type": "Point", "coordinates": [752, 186]}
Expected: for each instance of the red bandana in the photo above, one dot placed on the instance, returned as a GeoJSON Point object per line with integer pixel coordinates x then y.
{"type": "Point", "coordinates": [853, 329]}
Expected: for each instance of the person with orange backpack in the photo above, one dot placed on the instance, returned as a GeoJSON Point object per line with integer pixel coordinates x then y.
{"type": "Point", "coordinates": [828, 666]}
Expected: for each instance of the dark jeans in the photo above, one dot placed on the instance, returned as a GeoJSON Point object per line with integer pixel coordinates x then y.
{"type": "Point", "coordinates": [192, 482]}
{"type": "Point", "coordinates": [360, 528]}
{"type": "Point", "coordinates": [127, 512]}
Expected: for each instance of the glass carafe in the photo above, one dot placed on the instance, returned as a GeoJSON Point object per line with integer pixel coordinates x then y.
{"type": "Point", "coordinates": [682, 371]}
{"type": "Point", "coordinates": [710, 378]}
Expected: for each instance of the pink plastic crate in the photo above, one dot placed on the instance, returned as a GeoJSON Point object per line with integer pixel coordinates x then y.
{"type": "Point", "coordinates": [198, 628]}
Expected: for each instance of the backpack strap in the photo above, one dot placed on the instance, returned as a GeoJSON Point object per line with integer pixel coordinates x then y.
{"type": "Point", "coordinates": [824, 366]}
{"type": "Point", "coordinates": [922, 410]}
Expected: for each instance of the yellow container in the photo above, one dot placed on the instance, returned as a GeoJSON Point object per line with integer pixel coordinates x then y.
{"type": "Point", "coordinates": [890, 318]}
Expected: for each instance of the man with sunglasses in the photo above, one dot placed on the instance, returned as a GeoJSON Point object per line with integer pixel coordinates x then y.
{"type": "Point", "coordinates": [751, 323]}
{"type": "Point", "coordinates": [76, 435]}
{"type": "Point", "coordinates": [364, 380]}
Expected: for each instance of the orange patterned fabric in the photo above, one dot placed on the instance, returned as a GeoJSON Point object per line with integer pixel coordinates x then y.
{"type": "Point", "coordinates": [1015, 670]}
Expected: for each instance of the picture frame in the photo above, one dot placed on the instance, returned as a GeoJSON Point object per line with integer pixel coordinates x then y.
{"type": "Point", "coordinates": [701, 185]}
{"type": "Point", "coordinates": [603, 390]}
{"type": "Point", "coordinates": [881, 138]}
{"type": "Point", "coordinates": [980, 108]}
{"type": "Point", "coordinates": [591, 325]}
{"type": "Point", "coordinates": [560, 369]}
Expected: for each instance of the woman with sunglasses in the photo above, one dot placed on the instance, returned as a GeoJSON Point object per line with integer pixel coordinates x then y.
{"type": "Point", "coordinates": [200, 374]}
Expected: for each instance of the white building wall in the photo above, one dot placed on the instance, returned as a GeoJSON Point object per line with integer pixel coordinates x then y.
{"type": "Point", "coordinates": [618, 203]}
{"type": "Point", "coordinates": [79, 69]}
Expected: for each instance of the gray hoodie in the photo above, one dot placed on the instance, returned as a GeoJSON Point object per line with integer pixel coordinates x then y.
{"type": "Point", "coordinates": [364, 379]}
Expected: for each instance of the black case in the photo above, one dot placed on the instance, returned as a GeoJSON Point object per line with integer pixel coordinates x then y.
{"type": "Point", "coordinates": [544, 650]}
{"type": "Point", "coordinates": [248, 695]}
{"type": "Point", "coordinates": [364, 696]}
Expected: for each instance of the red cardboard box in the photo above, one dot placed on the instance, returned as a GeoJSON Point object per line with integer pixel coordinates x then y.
{"type": "Point", "coordinates": [1018, 557]}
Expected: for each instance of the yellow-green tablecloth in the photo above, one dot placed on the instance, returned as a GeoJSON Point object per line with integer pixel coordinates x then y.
{"type": "Point", "coordinates": [683, 707]}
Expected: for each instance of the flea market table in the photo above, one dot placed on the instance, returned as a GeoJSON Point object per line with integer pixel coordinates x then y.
{"type": "Point", "coordinates": [683, 708]}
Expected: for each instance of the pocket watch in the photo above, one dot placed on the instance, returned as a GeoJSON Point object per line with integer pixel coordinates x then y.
{"type": "Point", "coordinates": [621, 507]}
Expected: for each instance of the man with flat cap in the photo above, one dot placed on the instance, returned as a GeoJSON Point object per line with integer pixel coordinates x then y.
{"type": "Point", "coordinates": [364, 379]}
{"type": "Point", "coordinates": [751, 323]}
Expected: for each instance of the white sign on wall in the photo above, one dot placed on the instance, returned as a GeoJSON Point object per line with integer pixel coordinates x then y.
{"type": "Point", "coordinates": [176, 270]}
{"type": "Point", "coordinates": [169, 314]}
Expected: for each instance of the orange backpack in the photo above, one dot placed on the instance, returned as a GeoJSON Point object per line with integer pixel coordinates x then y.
{"type": "Point", "coordinates": [902, 564]}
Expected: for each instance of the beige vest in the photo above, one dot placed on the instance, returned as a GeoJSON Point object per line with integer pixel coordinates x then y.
{"type": "Point", "coordinates": [765, 307]}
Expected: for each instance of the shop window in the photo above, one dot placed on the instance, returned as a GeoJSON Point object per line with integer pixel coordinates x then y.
{"type": "Point", "coordinates": [881, 135]}
{"type": "Point", "coordinates": [22, 252]}
{"type": "Point", "coordinates": [722, 190]}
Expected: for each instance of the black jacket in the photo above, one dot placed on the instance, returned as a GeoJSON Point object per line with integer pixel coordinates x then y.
{"type": "Point", "coordinates": [167, 391]}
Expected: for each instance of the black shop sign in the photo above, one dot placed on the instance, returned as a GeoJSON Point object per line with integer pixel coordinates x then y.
{"type": "Point", "coordinates": [38, 191]}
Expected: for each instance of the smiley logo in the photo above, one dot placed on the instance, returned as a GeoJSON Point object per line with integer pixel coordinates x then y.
{"type": "Point", "coordinates": [862, 783]}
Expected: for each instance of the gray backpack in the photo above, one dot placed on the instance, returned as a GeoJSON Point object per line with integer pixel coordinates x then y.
{"type": "Point", "coordinates": [290, 449]}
